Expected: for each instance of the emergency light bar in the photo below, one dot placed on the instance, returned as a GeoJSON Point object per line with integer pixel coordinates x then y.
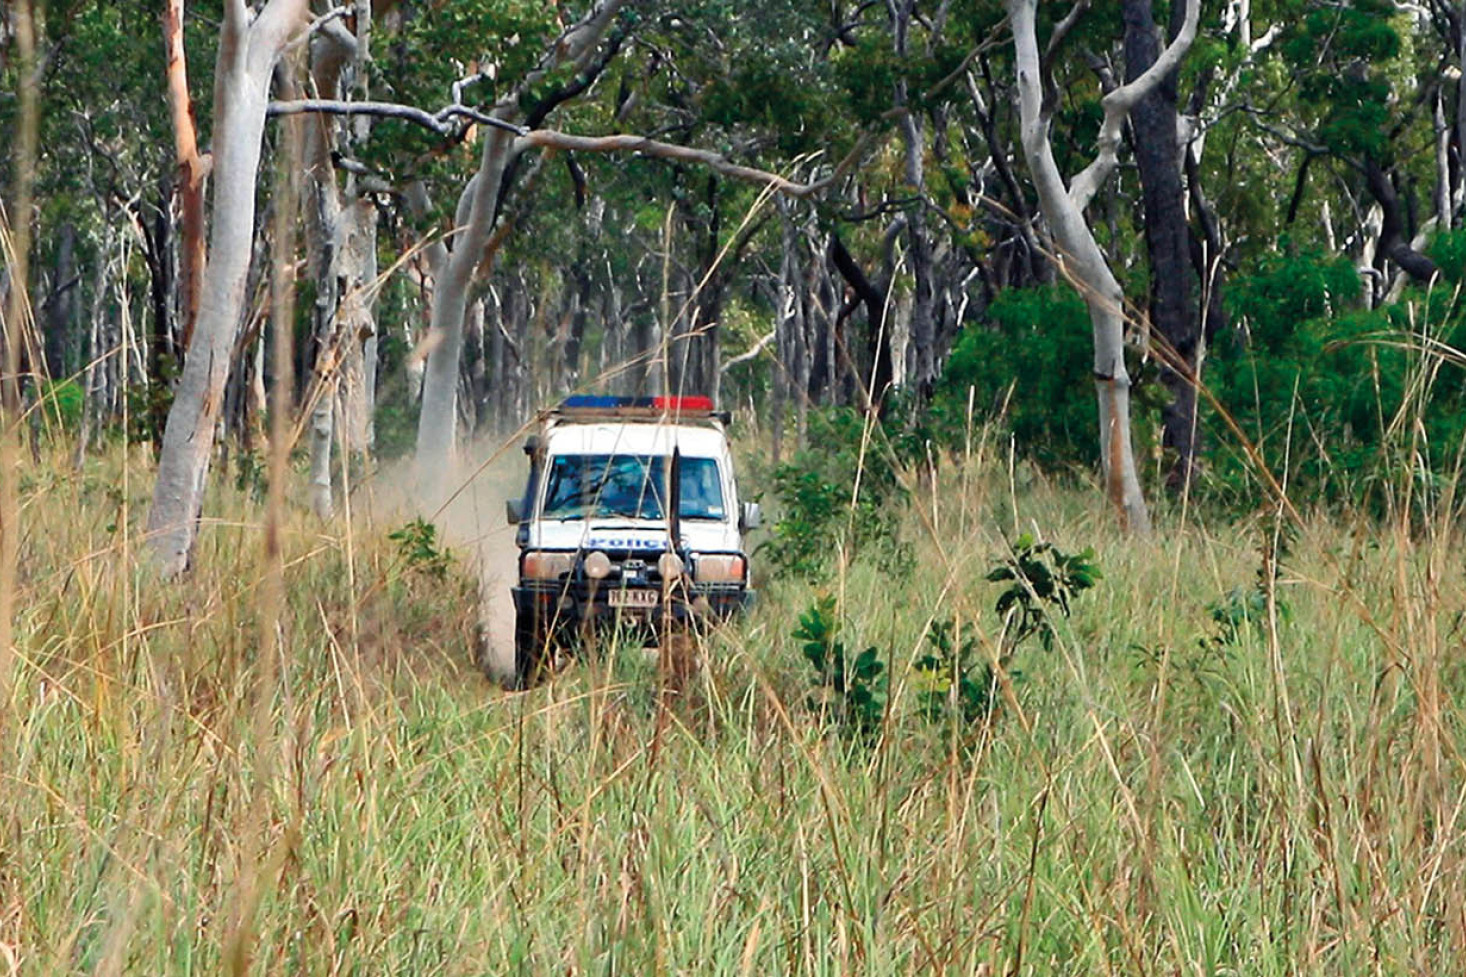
{"type": "Point", "coordinates": [684, 408]}
{"type": "Point", "coordinates": [688, 405]}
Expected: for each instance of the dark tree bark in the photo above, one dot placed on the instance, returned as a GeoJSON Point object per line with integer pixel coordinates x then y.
{"type": "Point", "coordinates": [1394, 242]}
{"type": "Point", "coordinates": [878, 342]}
{"type": "Point", "coordinates": [61, 305]}
{"type": "Point", "coordinates": [1173, 312]}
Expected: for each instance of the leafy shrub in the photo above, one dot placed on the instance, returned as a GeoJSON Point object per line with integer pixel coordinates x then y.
{"type": "Point", "coordinates": [417, 545]}
{"type": "Point", "coordinates": [955, 681]}
{"type": "Point", "coordinates": [1448, 251]}
{"type": "Point", "coordinates": [61, 402]}
{"type": "Point", "coordinates": [1030, 367]}
{"type": "Point", "coordinates": [853, 688]}
{"type": "Point", "coordinates": [149, 402]}
{"type": "Point", "coordinates": [251, 474]}
{"type": "Point", "coordinates": [953, 684]}
{"type": "Point", "coordinates": [1314, 381]}
{"type": "Point", "coordinates": [957, 684]}
{"type": "Point", "coordinates": [814, 492]}
{"type": "Point", "coordinates": [1041, 578]}
{"type": "Point", "coordinates": [1243, 609]}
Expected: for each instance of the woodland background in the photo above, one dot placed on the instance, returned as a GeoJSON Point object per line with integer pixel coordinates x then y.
{"type": "Point", "coordinates": [990, 287]}
{"type": "Point", "coordinates": [1284, 220]}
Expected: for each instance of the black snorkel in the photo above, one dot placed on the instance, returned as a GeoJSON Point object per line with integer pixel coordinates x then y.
{"type": "Point", "coordinates": [674, 501]}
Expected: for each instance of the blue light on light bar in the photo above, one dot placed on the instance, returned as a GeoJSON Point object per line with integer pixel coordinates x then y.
{"type": "Point", "coordinates": [583, 401]}
{"type": "Point", "coordinates": [603, 402]}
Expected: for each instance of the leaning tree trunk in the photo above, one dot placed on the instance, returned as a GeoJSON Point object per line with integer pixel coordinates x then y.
{"type": "Point", "coordinates": [437, 421]}
{"type": "Point", "coordinates": [1083, 262]}
{"type": "Point", "coordinates": [248, 52]}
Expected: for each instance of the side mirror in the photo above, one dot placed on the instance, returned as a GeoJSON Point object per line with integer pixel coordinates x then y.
{"type": "Point", "coordinates": [752, 516]}
{"type": "Point", "coordinates": [514, 511]}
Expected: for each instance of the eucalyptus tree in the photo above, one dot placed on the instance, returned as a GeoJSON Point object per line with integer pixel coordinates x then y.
{"type": "Point", "coordinates": [250, 45]}
{"type": "Point", "coordinates": [1364, 98]}
{"type": "Point", "coordinates": [1063, 205]}
{"type": "Point", "coordinates": [341, 243]}
{"type": "Point", "coordinates": [507, 128]}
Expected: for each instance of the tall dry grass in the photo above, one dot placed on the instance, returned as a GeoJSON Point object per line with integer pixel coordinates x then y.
{"type": "Point", "coordinates": [1150, 800]}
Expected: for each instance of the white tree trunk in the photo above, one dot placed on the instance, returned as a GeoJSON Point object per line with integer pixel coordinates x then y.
{"type": "Point", "coordinates": [341, 238]}
{"type": "Point", "coordinates": [1079, 256]}
{"type": "Point", "coordinates": [247, 55]}
{"type": "Point", "coordinates": [437, 419]}
{"type": "Point", "coordinates": [359, 324]}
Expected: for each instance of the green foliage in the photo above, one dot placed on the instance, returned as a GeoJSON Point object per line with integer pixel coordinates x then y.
{"type": "Point", "coordinates": [148, 404]}
{"type": "Point", "coordinates": [61, 402]}
{"type": "Point", "coordinates": [854, 688]}
{"type": "Point", "coordinates": [1245, 609]}
{"type": "Point", "coordinates": [1342, 49]}
{"type": "Point", "coordinates": [1448, 250]}
{"type": "Point", "coordinates": [771, 88]}
{"type": "Point", "coordinates": [818, 522]}
{"type": "Point", "coordinates": [1029, 368]}
{"type": "Point", "coordinates": [251, 475]}
{"type": "Point", "coordinates": [418, 547]}
{"type": "Point", "coordinates": [954, 684]}
{"type": "Point", "coordinates": [1042, 578]}
{"type": "Point", "coordinates": [1317, 382]}
{"type": "Point", "coordinates": [1284, 289]}
{"type": "Point", "coordinates": [395, 422]}
{"type": "Point", "coordinates": [1241, 609]}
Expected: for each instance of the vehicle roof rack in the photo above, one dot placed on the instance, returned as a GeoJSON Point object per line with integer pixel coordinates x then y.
{"type": "Point", "coordinates": [588, 406]}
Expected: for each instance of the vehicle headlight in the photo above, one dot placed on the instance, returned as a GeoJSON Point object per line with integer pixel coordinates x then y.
{"type": "Point", "coordinates": [597, 566]}
{"type": "Point", "coordinates": [718, 568]}
{"type": "Point", "coordinates": [670, 566]}
{"type": "Point", "coordinates": [540, 565]}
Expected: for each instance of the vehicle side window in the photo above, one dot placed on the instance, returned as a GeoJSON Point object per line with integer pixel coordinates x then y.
{"type": "Point", "coordinates": [701, 489]}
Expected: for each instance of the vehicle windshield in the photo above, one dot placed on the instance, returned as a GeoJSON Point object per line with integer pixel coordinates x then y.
{"type": "Point", "coordinates": [629, 486]}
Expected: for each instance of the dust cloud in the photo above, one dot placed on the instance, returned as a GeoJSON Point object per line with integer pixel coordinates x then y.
{"type": "Point", "coordinates": [472, 523]}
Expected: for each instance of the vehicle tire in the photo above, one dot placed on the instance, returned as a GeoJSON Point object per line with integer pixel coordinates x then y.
{"type": "Point", "coordinates": [530, 656]}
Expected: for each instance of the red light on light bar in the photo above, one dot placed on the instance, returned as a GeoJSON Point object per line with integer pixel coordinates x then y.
{"type": "Point", "coordinates": [683, 403]}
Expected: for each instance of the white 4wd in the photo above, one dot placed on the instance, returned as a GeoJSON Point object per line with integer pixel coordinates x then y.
{"type": "Point", "coordinates": [630, 516]}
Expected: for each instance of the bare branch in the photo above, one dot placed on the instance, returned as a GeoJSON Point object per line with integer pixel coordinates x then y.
{"type": "Point", "coordinates": [577, 45]}
{"type": "Point", "coordinates": [439, 122]}
{"type": "Point", "coordinates": [751, 353]}
{"type": "Point", "coordinates": [1118, 103]}
{"type": "Point", "coordinates": [550, 139]}
{"type": "Point", "coordinates": [1063, 27]}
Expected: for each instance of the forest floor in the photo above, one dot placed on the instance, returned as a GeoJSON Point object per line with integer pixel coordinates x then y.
{"type": "Point", "coordinates": [1215, 768]}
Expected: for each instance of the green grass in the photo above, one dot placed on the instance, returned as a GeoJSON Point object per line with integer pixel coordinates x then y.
{"type": "Point", "coordinates": [1145, 801]}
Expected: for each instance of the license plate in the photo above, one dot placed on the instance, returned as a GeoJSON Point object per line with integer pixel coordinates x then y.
{"type": "Point", "coordinates": [632, 598]}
